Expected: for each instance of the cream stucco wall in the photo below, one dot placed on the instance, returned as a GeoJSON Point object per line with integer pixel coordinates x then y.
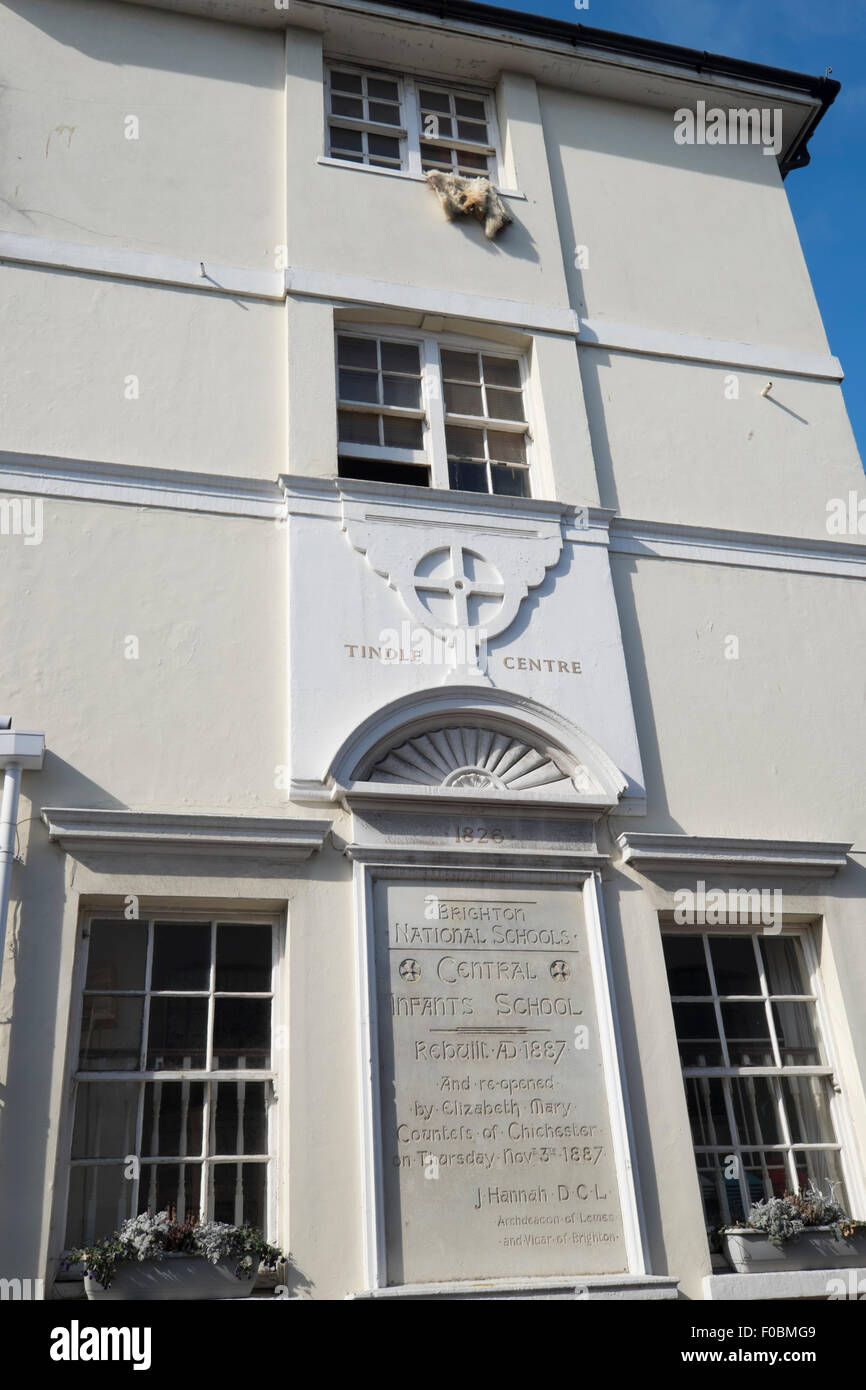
{"type": "Point", "coordinates": [232, 385]}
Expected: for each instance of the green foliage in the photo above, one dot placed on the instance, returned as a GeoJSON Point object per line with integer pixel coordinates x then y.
{"type": "Point", "coordinates": [785, 1218]}
{"type": "Point", "coordinates": [149, 1237]}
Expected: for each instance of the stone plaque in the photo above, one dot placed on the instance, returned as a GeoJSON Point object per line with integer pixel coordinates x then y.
{"type": "Point", "coordinates": [496, 1141]}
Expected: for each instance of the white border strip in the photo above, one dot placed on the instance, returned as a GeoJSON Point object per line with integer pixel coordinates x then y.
{"type": "Point", "coordinates": [125, 264]}
{"type": "Point", "coordinates": [669, 541]}
{"type": "Point", "coordinates": [688, 347]}
{"type": "Point", "coordinates": [273, 286]}
{"type": "Point", "coordinates": [86, 481]}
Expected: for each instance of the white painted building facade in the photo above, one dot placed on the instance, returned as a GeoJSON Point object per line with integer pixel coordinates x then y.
{"type": "Point", "coordinates": [378, 586]}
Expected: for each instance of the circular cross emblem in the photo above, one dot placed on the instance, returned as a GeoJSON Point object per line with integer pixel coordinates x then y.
{"type": "Point", "coordinates": [560, 969]}
{"type": "Point", "coordinates": [410, 970]}
{"type": "Point", "coordinates": [458, 587]}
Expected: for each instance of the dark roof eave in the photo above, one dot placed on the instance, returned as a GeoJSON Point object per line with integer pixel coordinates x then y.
{"type": "Point", "coordinates": [823, 89]}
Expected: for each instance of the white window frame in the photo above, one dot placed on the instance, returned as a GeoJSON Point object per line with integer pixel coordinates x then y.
{"type": "Point", "coordinates": [434, 453]}
{"type": "Point", "coordinates": [180, 915]}
{"type": "Point", "coordinates": [399, 133]}
{"type": "Point", "coordinates": [410, 132]}
{"type": "Point", "coordinates": [844, 1144]}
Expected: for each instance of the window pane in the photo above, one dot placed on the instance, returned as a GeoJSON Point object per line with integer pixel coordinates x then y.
{"type": "Point", "coordinates": [747, 1034]}
{"type": "Point", "coordinates": [807, 1105]}
{"type": "Point", "coordinates": [506, 448]}
{"type": "Point", "coordinates": [823, 1167]}
{"type": "Point", "coordinates": [464, 106]}
{"type": "Point", "coordinates": [467, 444]}
{"type": "Point", "coordinates": [510, 482]}
{"type": "Point", "coordinates": [116, 955]}
{"type": "Point", "coordinates": [181, 956]}
{"type": "Point", "coordinates": [784, 964]}
{"type": "Point", "coordinates": [401, 357]}
{"type": "Point", "coordinates": [471, 163]}
{"type": "Point", "coordinates": [402, 434]}
{"type": "Point", "coordinates": [385, 146]}
{"type": "Point", "coordinates": [473, 131]}
{"type": "Point", "coordinates": [357, 352]}
{"type": "Point", "coordinates": [110, 1033]}
{"type": "Point", "coordinates": [686, 965]}
{"type": "Point", "coordinates": [177, 1034]}
{"type": "Point", "coordinates": [384, 113]}
{"type": "Point", "coordinates": [242, 1033]}
{"type": "Point", "coordinates": [755, 1110]}
{"type": "Point", "coordinates": [501, 371]}
{"type": "Point", "coordinates": [237, 1193]}
{"type": "Point", "coordinates": [467, 477]}
{"type": "Point", "coordinates": [504, 405]}
{"type": "Point", "coordinates": [172, 1118]}
{"type": "Point", "coordinates": [243, 957]}
{"type": "Point", "coordinates": [347, 106]}
{"type": "Point", "coordinates": [766, 1174]}
{"type": "Point", "coordinates": [707, 1113]}
{"type": "Point", "coordinates": [460, 366]}
{"type": "Point", "coordinates": [359, 386]}
{"type": "Point", "coordinates": [434, 101]}
{"type": "Point", "coordinates": [358, 429]}
{"type": "Point", "coordinates": [402, 390]}
{"type": "Point", "coordinates": [239, 1123]}
{"type": "Point", "coordinates": [721, 1196]}
{"type": "Point", "coordinates": [698, 1035]}
{"type": "Point", "coordinates": [734, 964]}
{"type": "Point", "coordinates": [166, 1185]}
{"type": "Point", "coordinates": [797, 1032]}
{"type": "Point", "coordinates": [100, 1200]}
{"type": "Point", "coordinates": [384, 471]}
{"type": "Point", "coordinates": [346, 140]}
{"type": "Point", "coordinates": [438, 127]}
{"type": "Point", "coordinates": [463, 399]}
{"type": "Point", "coordinates": [106, 1115]}
{"type": "Point", "coordinates": [378, 87]}
{"type": "Point", "coordinates": [434, 158]}
{"type": "Point", "coordinates": [346, 81]}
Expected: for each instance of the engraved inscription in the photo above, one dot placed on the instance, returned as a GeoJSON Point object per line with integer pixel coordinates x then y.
{"type": "Point", "coordinates": [492, 1085]}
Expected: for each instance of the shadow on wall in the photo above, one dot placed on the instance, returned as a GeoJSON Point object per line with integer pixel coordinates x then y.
{"type": "Point", "coordinates": [594, 126]}
{"type": "Point", "coordinates": [623, 569]}
{"type": "Point", "coordinates": [124, 36]}
{"type": "Point", "coordinates": [628, 1008]}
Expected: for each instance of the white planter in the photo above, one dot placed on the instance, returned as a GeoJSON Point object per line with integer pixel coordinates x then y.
{"type": "Point", "coordinates": [750, 1252]}
{"type": "Point", "coordinates": [171, 1279]}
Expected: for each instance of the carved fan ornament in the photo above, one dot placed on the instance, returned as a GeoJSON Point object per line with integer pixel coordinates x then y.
{"type": "Point", "coordinates": [461, 756]}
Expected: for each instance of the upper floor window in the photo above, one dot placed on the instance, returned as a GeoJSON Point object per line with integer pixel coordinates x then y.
{"type": "Point", "coordinates": [429, 413]}
{"type": "Point", "coordinates": [758, 1077]}
{"type": "Point", "coordinates": [387, 121]}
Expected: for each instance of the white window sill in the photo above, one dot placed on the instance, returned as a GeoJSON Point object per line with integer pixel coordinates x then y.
{"type": "Point", "coordinates": [783, 1284]}
{"type": "Point", "coordinates": [401, 174]}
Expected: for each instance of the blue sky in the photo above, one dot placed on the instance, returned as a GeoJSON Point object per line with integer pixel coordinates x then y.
{"type": "Point", "coordinates": [828, 198]}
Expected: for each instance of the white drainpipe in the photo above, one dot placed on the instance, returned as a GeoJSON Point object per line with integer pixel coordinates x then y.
{"type": "Point", "coordinates": [18, 751]}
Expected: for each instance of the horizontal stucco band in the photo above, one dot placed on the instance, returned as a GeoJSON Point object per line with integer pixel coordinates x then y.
{"type": "Point", "coordinates": [274, 285]}
{"type": "Point", "coordinates": [76, 828]}
{"type": "Point", "coordinates": [84, 480]}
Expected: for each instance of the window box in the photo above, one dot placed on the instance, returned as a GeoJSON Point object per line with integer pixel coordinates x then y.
{"type": "Point", "coordinates": [750, 1252]}
{"type": "Point", "coordinates": [174, 1278]}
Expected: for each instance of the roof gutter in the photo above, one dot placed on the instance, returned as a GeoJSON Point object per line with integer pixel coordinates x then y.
{"type": "Point", "coordinates": [821, 89]}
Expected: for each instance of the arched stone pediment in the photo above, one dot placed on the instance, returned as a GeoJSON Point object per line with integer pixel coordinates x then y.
{"type": "Point", "coordinates": [470, 742]}
{"type": "Point", "coordinates": [462, 755]}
